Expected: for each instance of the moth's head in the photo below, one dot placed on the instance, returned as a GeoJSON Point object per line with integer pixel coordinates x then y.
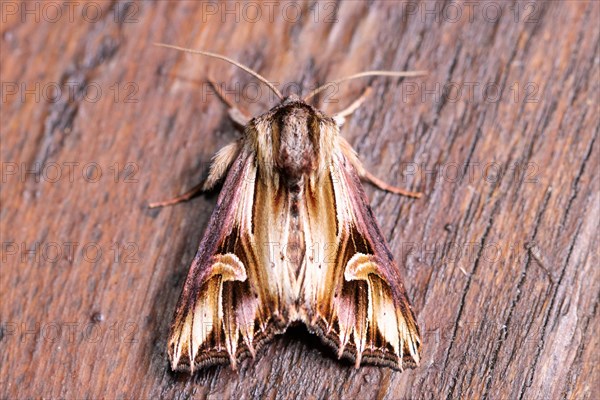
{"type": "Point", "coordinates": [293, 139]}
{"type": "Point", "coordinates": [292, 98]}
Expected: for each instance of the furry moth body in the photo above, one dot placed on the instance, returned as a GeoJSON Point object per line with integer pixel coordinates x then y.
{"type": "Point", "coordinates": [292, 239]}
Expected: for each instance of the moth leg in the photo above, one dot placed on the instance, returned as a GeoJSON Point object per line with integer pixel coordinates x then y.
{"type": "Point", "coordinates": [340, 117]}
{"type": "Point", "coordinates": [366, 175]}
{"type": "Point", "coordinates": [179, 199]}
{"type": "Point", "coordinates": [220, 165]}
{"type": "Point", "coordinates": [238, 116]}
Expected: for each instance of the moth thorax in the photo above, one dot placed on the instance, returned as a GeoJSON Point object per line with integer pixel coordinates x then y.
{"type": "Point", "coordinates": [295, 140]}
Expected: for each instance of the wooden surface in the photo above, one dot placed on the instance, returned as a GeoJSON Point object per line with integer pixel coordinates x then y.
{"type": "Point", "coordinates": [500, 257]}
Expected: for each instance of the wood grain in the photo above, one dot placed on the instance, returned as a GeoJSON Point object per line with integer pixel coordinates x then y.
{"type": "Point", "coordinates": [500, 257]}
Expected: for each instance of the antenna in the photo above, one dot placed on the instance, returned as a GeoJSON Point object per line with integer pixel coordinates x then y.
{"type": "Point", "coordinates": [229, 60]}
{"type": "Point", "coordinates": [363, 74]}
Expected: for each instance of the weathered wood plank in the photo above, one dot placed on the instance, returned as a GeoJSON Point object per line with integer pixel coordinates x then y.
{"type": "Point", "coordinates": [500, 258]}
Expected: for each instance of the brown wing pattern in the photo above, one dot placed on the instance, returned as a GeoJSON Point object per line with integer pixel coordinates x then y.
{"type": "Point", "coordinates": [224, 312]}
{"type": "Point", "coordinates": [362, 310]}
{"type": "Point", "coordinates": [243, 287]}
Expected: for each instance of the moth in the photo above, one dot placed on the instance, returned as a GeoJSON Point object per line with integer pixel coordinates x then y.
{"type": "Point", "coordinates": [292, 240]}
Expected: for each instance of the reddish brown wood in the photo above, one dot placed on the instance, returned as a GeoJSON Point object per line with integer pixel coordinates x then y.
{"type": "Point", "coordinates": [496, 323]}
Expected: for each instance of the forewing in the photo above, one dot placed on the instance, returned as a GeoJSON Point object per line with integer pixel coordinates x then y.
{"type": "Point", "coordinates": [355, 295]}
{"type": "Point", "coordinates": [224, 312]}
